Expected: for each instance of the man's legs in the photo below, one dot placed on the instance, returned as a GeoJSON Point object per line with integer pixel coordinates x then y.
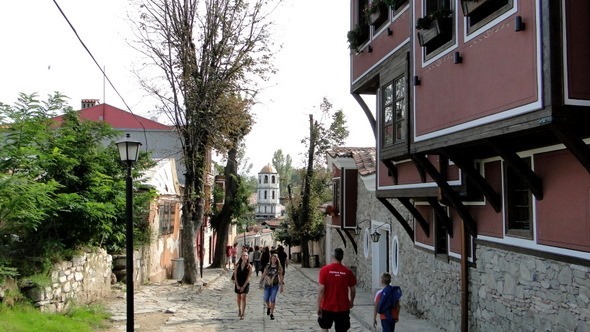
{"type": "Point", "coordinates": [342, 321]}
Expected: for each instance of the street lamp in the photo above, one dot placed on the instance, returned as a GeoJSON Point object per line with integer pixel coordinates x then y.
{"type": "Point", "coordinates": [128, 151]}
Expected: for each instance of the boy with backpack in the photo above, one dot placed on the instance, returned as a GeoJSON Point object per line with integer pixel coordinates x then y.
{"type": "Point", "coordinates": [387, 304]}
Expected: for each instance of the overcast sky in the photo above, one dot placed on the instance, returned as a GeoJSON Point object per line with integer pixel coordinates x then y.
{"type": "Point", "coordinates": [40, 53]}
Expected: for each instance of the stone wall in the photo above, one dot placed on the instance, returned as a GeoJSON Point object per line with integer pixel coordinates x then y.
{"type": "Point", "coordinates": [84, 279]}
{"type": "Point", "coordinates": [508, 291]}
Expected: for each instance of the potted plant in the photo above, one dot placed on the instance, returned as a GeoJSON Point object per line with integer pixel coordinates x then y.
{"type": "Point", "coordinates": [470, 6]}
{"type": "Point", "coordinates": [434, 25]}
{"type": "Point", "coordinates": [357, 36]}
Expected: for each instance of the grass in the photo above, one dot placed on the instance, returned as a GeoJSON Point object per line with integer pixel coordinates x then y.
{"type": "Point", "coordinates": [25, 318]}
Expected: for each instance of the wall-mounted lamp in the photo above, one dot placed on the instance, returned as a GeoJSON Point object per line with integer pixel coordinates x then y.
{"type": "Point", "coordinates": [518, 24]}
{"type": "Point", "coordinates": [389, 31]}
{"type": "Point", "coordinates": [375, 235]}
{"type": "Point", "coordinates": [457, 58]}
{"type": "Point", "coordinates": [358, 230]}
{"type": "Point", "coordinates": [417, 81]}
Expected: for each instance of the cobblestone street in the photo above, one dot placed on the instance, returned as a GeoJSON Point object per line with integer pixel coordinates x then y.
{"type": "Point", "coordinates": [170, 306]}
{"type": "Point", "coordinates": [214, 308]}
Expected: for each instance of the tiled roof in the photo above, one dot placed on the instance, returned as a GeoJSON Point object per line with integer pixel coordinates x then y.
{"type": "Point", "coordinates": [118, 118]}
{"type": "Point", "coordinates": [364, 158]}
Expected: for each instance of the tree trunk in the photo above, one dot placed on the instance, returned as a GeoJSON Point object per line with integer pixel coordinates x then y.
{"type": "Point", "coordinates": [222, 221]}
{"type": "Point", "coordinates": [306, 208]}
{"type": "Point", "coordinates": [193, 209]}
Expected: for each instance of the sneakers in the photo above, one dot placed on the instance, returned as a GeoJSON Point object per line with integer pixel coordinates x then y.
{"type": "Point", "coordinates": [272, 317]}
{"type": "Point", "coordinates": [267, 311]}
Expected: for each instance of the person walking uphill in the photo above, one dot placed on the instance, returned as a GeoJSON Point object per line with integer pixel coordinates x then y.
{"type": "Point", "coordinates": [242, 274]}
{"type": "Point", "coordinates": [336, 294]}
{"type": "Point", "coordinates": [272, 278]}
{"type": "Point", "coordinates": [387, 304]}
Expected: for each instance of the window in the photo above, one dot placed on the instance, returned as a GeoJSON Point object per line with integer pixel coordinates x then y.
{"type": "Point", "coordinates": [518, 204]}
{"type": "Point", "coordinates": [265, 194]}
{"type": "Point", "coordinates": [397, 5]}
{"type": "Point", "coordinates": [336, 194]}
{"type": "Point", "coordinates": [167, 212]}
{"type": "Point", "coordinates": [380, 16]}
{"type": "Point", "coordinates": [266, 179]}
{"type": "Point", "coordinates": [272, 193]}
{"type": "Point", "coordinates": [272, 179]}
{"type": "Point", "coordinates": [441, 238]}
{"type": "Point", "coordinates": [481, 12]}
{"type": "Point", "coordinates": [436, 30]}
{"type": "Point", "coordinates": [395, 255]}
{"type": "Point", "coordinates": [394, 112]}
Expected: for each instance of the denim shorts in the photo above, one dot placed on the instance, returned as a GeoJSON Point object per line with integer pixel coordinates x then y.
{"type": "Point", "coordinates": [270, 293]}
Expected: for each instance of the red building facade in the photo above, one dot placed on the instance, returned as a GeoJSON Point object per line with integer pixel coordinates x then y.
{"type": "Point", "coordinates": [481, 132]}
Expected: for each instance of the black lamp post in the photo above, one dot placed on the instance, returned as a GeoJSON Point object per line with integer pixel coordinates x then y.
{"type": "Point", "coordinates": [128, 151]}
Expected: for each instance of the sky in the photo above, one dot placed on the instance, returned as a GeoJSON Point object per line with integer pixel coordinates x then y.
{"type": "Point", "coordinates": [41, 54]}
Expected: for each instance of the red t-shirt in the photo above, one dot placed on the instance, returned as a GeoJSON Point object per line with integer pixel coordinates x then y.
{"type": "Point", "coordinates": [336, 279]}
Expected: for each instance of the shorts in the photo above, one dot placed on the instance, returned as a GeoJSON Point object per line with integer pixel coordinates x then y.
{"type": "Point", "coordinates": [270, 293]}
{"type": "Point", "coordinates": [233, 259]}
{"type": "Point", "coordinates": [340, 319]}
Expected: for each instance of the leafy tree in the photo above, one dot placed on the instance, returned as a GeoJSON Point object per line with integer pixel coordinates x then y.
{"type": "Point", "coordinates": [283, 165]}
{"type": "Point", "coordinates": [205, 51]}
{"type": "Point", "coordinates": [307, 220]}
{"type": "Point", "coordinates": [71, 189]}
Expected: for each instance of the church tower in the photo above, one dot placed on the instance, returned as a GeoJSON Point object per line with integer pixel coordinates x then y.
{"type": "Point", "coordinates": [268, 206]}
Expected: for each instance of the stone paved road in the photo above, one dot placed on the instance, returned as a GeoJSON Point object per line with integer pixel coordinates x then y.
{"type": "Point", "coordinates": [214, 308]}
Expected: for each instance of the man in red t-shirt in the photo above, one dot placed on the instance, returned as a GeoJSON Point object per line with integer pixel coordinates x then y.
{"type": "Point", "coordinates": [336, 294]}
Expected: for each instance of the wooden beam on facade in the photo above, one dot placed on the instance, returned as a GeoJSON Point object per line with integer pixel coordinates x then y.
{"type": "Point", "coordinates": [479, 181]}
{"type": "Point", "coordinates": [451, 195]}
{"type": "Point", "coordinates": [341, 236]}
{"type": "Point", "coordinates": [352, 241]}
{"type": "Point", "coordinates": [421, 171]}
{"type": "Point", "coordinates": [398, 216]}
{"type": "Point", "coordinates": [534, 182]}
{"type": "Point", "coordinates": [392, 169]}
{"type": "Point", "coordinates": [574, 144]}
{"type": "Point", "coordinates": [368, 113]}
{"type": "Point", "coordinates": [416, 214]}
{"type": "Point", "coordinates": [442, 214]}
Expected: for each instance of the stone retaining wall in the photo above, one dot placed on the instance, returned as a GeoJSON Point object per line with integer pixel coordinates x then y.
{"type": "Point", "coordinates": [84, 279]}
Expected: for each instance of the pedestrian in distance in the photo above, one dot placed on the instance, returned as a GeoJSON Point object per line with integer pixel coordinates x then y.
{"type": "Point", "coordinates": [264, 258]}
{"type": "Point", "coordinates": [256, 256]}
{"type": "Point", "coordinates": [282, 258]}
{"type": "Point", "coordinates": [336, 294]}
{"type": "Point", "coordinates": [234, 254]}
{"type": "Point", "coordinates": [242, 274]}
{"type": "Point", "coordinates": [387, 304]}
{"type": "Point", "coordinates": [272, 278]}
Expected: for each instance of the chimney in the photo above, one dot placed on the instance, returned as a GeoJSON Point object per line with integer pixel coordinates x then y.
{"type": "Point", "coordinates": [86, 103]}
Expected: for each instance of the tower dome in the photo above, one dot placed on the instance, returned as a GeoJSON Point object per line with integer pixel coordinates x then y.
{"type": "Point", "coordinates": [268, 169]}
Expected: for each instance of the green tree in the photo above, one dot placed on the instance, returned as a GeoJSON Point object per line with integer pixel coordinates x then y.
{"type": "Point", "coordinates": [307, 220]}
{"type": "Point", "coordinates": [283, 165]}
{"type": "Point", "coordinates": [205, 50]}
{"type": "Point", "coordinates": [71, 188]}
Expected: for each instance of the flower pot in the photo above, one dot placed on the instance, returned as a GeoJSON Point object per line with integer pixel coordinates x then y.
{"type": "Point", "coordinates": [438, 28]}
{"type": "Point", "coordinates": [470, 6]}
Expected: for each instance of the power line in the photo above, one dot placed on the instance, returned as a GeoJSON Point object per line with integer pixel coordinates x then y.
{"type": "Point", "coordinates": [101, 70]}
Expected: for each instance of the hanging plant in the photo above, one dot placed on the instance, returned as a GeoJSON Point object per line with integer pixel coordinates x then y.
{"type": "Point", "coordinates": [357, 36]}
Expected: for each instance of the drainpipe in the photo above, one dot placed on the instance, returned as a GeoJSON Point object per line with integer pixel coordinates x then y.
{"type": "Point", "coordinates": [464, 279]}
